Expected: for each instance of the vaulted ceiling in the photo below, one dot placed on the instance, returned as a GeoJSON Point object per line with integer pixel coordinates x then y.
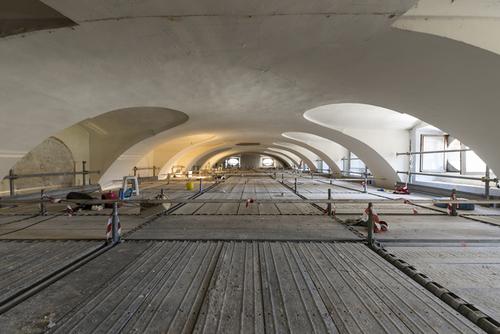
{"type": "Point", "coordinates": [244, 71]}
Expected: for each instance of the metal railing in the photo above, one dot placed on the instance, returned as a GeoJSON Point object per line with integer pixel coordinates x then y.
{"type": "Point", "coordinates": [486, 178]}
{"type": "Point", "coordinates": [13, 176]}
{"type": "Point", "coordinates": [136, 169]}
{"type": "Point", "coordinates": [433, 152]}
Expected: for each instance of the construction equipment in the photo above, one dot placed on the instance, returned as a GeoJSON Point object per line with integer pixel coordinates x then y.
{"type": "Point", "coordinates": [130, 187]}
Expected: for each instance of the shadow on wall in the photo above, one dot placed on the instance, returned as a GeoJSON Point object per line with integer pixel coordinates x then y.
{"type": "Point", "coordinates": [52, 155]}
{"type": "Point", "coordinates": [99, 141]}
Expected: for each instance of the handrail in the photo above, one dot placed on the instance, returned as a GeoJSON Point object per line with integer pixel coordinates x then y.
{"type": "Point", "coordinates": [433, 152]}
{"type": "Point", "coordinates": [244, 200]}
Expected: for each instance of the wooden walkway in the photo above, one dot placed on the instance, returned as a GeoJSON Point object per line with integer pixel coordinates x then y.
{"type": "Point", "coordinates": [243, 287]}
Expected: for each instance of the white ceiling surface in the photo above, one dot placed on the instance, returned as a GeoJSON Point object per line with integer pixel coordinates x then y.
{"type": "Point", "coordinates": [243, 70]}
{"type": "Point", "coordinates": [360, 116]}
{"type": "Point", "coordinates": [468, 21]}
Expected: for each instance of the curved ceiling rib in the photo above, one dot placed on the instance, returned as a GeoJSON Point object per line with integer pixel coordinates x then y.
{"type": "Point", "coordinates": [214, 157]}
{"type": "Point", "coordinates": [274, 155]}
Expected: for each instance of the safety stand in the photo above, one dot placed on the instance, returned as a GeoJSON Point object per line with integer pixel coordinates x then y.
{"type": "Point", "coordinates": [201, 186]}
{"type": "Point", "coordinates": [295, 186]}
{"type": "Point", "coordinates": [115, 221]}
{"type": "Point", "coordinates": [282, 178]}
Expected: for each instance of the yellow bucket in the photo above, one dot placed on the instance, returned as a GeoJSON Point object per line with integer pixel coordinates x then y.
{"type": "Point", "coordinates": [189, 186]}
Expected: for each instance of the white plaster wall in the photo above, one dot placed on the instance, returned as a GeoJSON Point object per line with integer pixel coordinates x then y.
{"type": "Point", "coordinates": [386, 142]}
{"type": "Point", "coordinates": [333, 150]}
{"type": "Point", "coordinates": [475, 22]}
{"type": "Point", "coordinates": [77, 139]}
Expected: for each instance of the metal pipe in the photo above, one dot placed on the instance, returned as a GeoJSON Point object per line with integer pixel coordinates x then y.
{"type": "Point", "coordinates": [295, 185]}
{"type": "Point", "coordinates": [201, 186]}
{"type": "Point", "coordinates": [433, 152]}
{"type": "Point", "coordinates": [115, 221]}
{"type": "Point", "coordinates": [74, 173]}
{"type": "Point", "coordinates": [370, 227]}
{"type": "Point", "coordinates": [329, 205]}
{"type": "Point", "coordinates": [446, 176]}
{"type": "Point", "coordinates": [357, 173]}
{"type": "Point", "coordinates": [365, 182]}
{"type": "Point", "coordinates": [26, 176]}
{"type": "Point", "coordinates": [43, 209]}
{"type": "Point", "coordinates": [84, 173]}
{"type": "Point", "coordinates": [12, 177]}
{"type": "Point", "coordinates": [487, 183]}
{"type": "Point", "coordinates": [266, 201]}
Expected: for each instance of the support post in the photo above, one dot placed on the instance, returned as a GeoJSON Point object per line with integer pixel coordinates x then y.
{"type": "Point", "coordinates": [135, 170]}
{"type": "Point", "coordinates": [410, 167]}
{"type": "Point", "coordinates": [487, 183]}
{"type": "Point", "coordinates": [74, 173]}
{"type": "Point", "coordinates": [370, 228]}
{"type": "Point", "coordinates": [84, 173]}
{"type": "Point", "coordinates": [295, 185]}
{"type": "Point", "coordinates": [154, 171]}
{"type": "Point", "coordinates": [115, 234]}
{"type": "Point", "coordinates": [282, 178]}
{"type": "Point", "coordinates": [365, 183]}
{"type": "Point", "coordinates": [12, 190]}
{"type": "Point", "coordinates": [43, 209]}
{"type": "Point", "coordinates": [329, 206]}
{"type": "Point", "coordinates": [201, 185]}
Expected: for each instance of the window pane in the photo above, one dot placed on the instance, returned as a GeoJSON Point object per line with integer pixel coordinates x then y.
{"type": "Point", "coordinates": [454, 157]}
{"type": "Point", "coordinates": [267, 162]}
{"type": "Point", "coordinates": [357, 164]}
{"type": "Point", "coordinates": [433, 162]}
{"type": "Point", "coordinates": [473, 163]}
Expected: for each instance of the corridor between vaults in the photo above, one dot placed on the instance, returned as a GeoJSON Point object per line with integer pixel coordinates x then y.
{"type": "Point", "coordinates": [249, 167]}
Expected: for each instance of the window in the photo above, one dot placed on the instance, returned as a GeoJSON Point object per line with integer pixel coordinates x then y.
{"type": "Point", "coordinates": [353, 164]}
{"type": "Point", "coordinates": [465, 162]}
{"type": "Point", "coordinates": [454, 159]}
{"type": "Point", "coordinates": [356, 164]}
{"type": "Point", "coordinates": [233, 162]}
{"type": "Point", "coordinates": [434, 162]}
{"type": "Point", "coordinates": [474, 164]}
{"type": "Point", "coordinates": [322, 166]}
{"type": "Point", "coordinates": [267, 162]}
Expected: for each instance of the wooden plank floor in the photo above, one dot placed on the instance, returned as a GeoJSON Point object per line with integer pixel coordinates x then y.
{"type": "Point", "coordinates": [246, 227]}
{"type": "Point", "coordinates": [64, 228]}
{"type": "Point", "coordinates": [241, 287]}
{"type": "Point", "coordinates": [24, 262]}
{"type": "Point", "coordinates": [245, 188]}
{"type": "Point", "coordinates": [470, 272]}
{"type": "Point", "coordinates": [437, 228]}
